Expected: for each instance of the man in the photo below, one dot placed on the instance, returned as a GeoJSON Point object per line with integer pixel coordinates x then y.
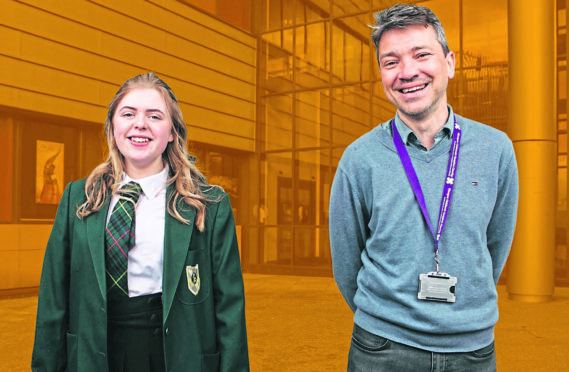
{"type": "Point", "coordinates": [422, 215]}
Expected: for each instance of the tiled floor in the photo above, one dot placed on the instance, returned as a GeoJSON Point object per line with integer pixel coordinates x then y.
{"type": "Point", "coordinates": [302, 324]}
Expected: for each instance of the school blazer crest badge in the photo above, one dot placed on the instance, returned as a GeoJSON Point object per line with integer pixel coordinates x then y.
{"type": "Point", "coordinates": [193, 274]}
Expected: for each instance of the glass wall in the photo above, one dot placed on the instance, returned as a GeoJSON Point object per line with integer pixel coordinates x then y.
{"type": "Point", "coordinates": [319, 90]}
{"type": "Point", "coordinates": [316, 82]}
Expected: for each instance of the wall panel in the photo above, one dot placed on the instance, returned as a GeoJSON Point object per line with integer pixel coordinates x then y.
{"type": "Point", "coordinates": [68, 58]}
{"type": "Point", "coordinates": [25, 99]}
{"type": "Point", "coordinates": [22, 256]}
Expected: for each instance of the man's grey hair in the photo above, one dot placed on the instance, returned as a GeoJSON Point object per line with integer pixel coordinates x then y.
{"type": "Point", "coordinates": [401, 16]}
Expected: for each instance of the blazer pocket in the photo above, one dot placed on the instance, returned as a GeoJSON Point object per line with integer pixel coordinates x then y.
{"type": "Point", "coordinates": [195, 282]}
{"type": "Point", "coordinates": [71, 352]}
{"type": "Point", "coordinates": [210, 362]}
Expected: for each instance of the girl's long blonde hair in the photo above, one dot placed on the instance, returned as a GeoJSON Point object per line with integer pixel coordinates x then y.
{"type": "Point", "coordinates": [105, 179]}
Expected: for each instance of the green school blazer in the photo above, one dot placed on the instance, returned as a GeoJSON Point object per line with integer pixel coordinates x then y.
{"type": "Point", "coordinates": [205, 331]}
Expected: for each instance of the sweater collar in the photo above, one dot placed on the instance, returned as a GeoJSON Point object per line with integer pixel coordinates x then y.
{"type": "Point", "coordinates": [410, 138]}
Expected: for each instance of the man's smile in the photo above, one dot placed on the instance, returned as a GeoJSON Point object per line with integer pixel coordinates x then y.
{"type": "Point", "coordinates": [412, 89]}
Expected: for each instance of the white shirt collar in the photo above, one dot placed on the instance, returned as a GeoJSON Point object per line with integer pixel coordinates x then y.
{"type": "Point", "coordinates": [152, 185]}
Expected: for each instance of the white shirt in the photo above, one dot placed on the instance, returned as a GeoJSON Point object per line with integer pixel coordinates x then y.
{"type": "Point", "coordinates": [146, 257]}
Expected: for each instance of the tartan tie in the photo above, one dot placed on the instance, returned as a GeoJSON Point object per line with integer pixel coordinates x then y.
{"type": "Point", "coordinates": [119, 239]}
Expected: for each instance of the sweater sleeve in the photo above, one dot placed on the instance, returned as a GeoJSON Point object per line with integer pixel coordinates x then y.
{"type": "Point", "coordinates": [500, 232]}
{"type": "Point", "coordinates": [348, 224]}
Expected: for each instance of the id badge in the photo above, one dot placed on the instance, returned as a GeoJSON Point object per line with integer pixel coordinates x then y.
{"type": "Point", "coordinates": [436, 286]}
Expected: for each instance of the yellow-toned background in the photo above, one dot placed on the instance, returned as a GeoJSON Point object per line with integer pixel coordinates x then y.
{"type": "Point", "coordinates": [272, 91]}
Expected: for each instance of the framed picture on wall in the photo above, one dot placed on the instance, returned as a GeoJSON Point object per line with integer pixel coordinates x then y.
{"type": "Point", "coordinates": [49, 171]}
{"type": "Point", "coordinates": [49, 159]}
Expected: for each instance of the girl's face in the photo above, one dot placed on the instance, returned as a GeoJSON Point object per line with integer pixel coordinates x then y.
{"type": "Point", "coordinates": [142, 128]}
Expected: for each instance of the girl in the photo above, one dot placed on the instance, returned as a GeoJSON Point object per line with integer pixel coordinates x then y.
{"type": "Point", "coordinates": [142, 270]}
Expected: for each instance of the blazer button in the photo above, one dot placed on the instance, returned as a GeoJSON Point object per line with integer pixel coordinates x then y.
{"type": "Point", "coordinates": [167, 331]}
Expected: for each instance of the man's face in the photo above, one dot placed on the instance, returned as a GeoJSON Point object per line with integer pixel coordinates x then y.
{"type": "Point", "coordinates": [414, 71]}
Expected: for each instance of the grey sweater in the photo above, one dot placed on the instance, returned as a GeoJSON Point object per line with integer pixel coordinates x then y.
{"type": "Point", "coordinates": [381, 243]}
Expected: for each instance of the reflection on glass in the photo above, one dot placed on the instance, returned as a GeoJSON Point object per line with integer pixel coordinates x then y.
{"type": "Point", "coordinates": [276, 65]}
{"type": "Point", "coordinates": [562, 143]}
{"type": "Point", "coordinates": [342, 7]}
{"type": "Point", "coordinates": [252, 256]}
{"type": "Point", "coordinates": [561, 250]}
{"type": "Point", "coordinates": [305, 252]}
{"type": "Point", "coordinates": [338, 53]}
{"type": "Point", "coordinates": [350, 113]}
{"type": "Point", "coordinates": [562, 87]}
{"type": "Point", "coordinates": [323, 244]}
{"type": "Point", "coordinates": [351, 49]}
{"type": "Point", "coordinates": [277, 120]}
{"type": "Point", "coordinates": [277, 14]}
{"type": "Point", "coordinates": [308, 176]}
{"type": "Point", "coordinates": [276, 171]}
{"type": "Point", "coordinates": [312, 55]}
{"type": "Point", "coordinates": [313, 186]}
{"type": "Point", "coordinates": [562, 160]}
{"type": "Point", "coordinates": [312, 127]}
{"type": "Point", "coordinates": [311, 11]}
{"type": "Point", "coordinates": [277, 245]}
{"type": "Point", "coordinates": [350, 53]}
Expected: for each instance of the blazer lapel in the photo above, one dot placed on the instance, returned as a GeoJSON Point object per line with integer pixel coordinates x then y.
{"type": "Point", "coordinates": [177, 236]}
{"type": "Point", "coordinates": [96, 240]}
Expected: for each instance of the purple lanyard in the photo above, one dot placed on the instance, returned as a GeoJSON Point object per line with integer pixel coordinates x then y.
{"type": "Point", "coordinates": [449, 183]}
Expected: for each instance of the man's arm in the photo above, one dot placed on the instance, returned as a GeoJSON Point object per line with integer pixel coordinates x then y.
{"type": "Point", "coordinates": [347, 234]}
{"type": "Point", "coordinates": [500, 232]}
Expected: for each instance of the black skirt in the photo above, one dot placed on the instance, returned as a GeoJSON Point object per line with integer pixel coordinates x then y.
{"type": "Point", "coordinates": [135, 341]}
